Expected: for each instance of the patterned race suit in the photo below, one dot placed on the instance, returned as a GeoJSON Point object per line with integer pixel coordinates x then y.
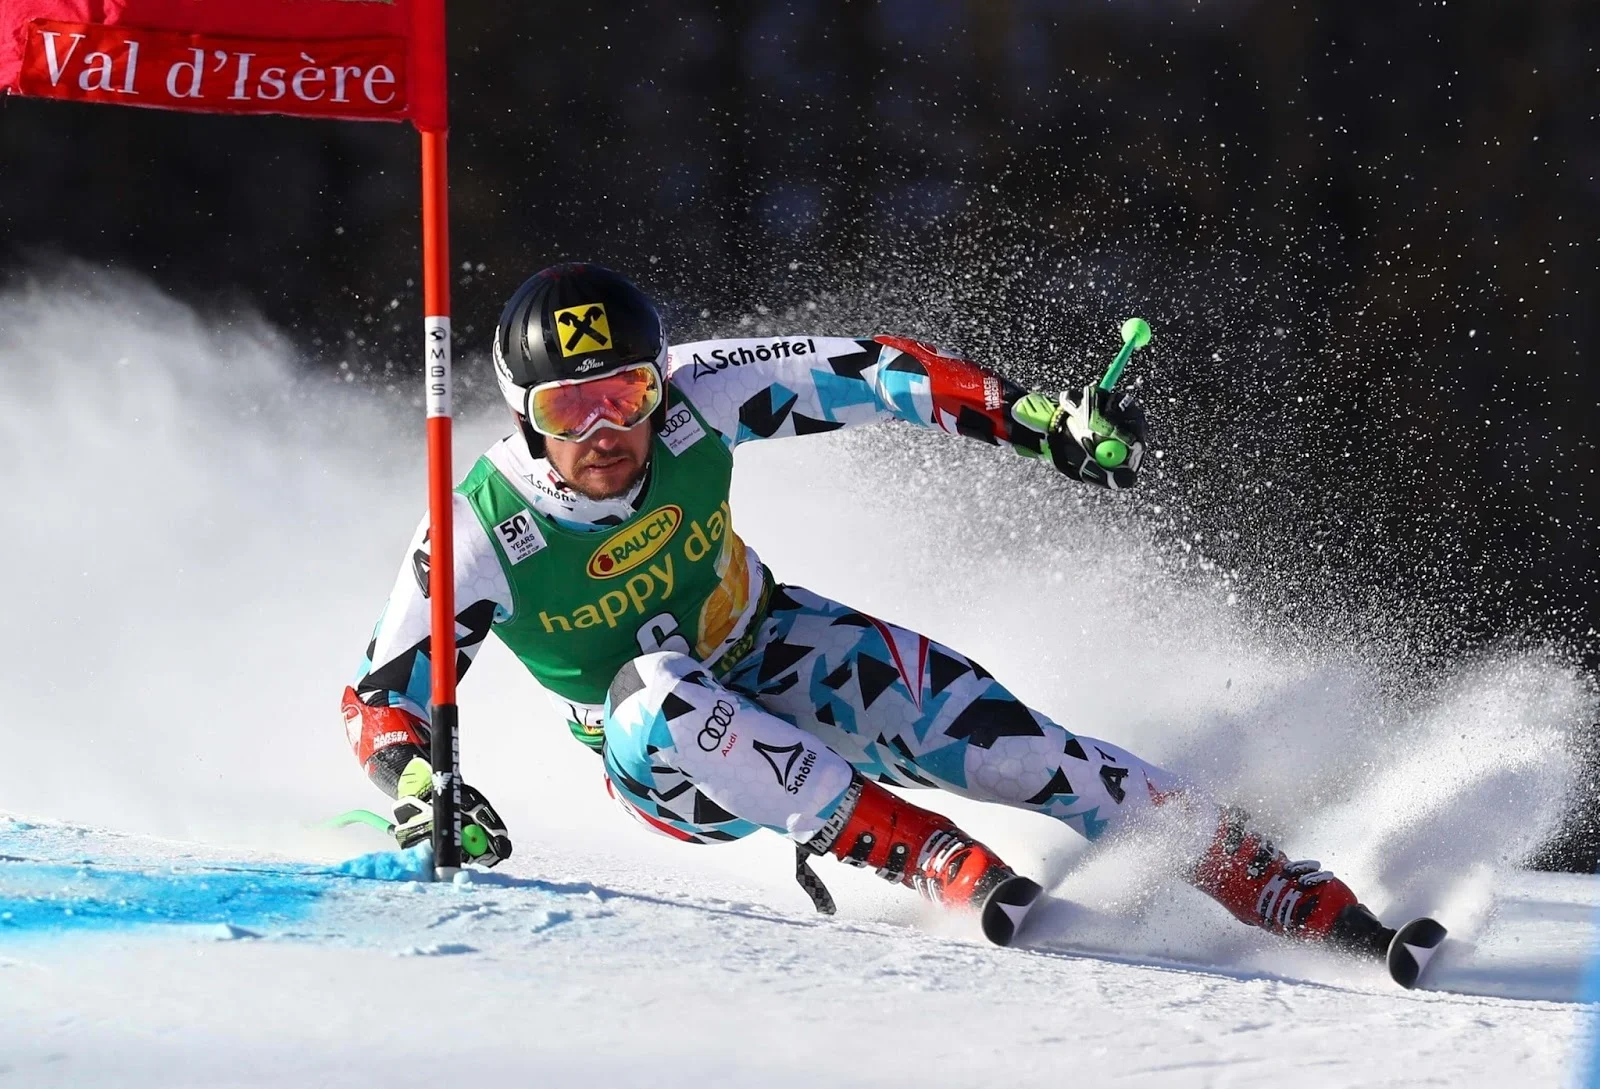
{"type": "Point", "coordinates": [747, 705]}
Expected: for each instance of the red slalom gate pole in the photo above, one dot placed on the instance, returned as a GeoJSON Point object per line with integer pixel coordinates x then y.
{"type": "Point", "coordinates": [394, 36]}
{"type": "Point", "coordinates": [445, 755]}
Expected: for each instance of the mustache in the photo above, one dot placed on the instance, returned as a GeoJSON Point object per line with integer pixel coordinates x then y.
{"type": "Point", "coordinates": [589, 457]}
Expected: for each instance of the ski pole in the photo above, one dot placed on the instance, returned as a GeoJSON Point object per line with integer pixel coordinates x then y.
{"type": "Point", "coordinates": [360, 816]}
{"type": "Point", "coordinates": [1111, 453]}
{"type": "Point", "coordinates": [1135, 335]}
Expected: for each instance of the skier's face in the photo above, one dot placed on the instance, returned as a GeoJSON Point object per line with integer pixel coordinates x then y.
{"type": "Point", "coordinates": [605, 464]}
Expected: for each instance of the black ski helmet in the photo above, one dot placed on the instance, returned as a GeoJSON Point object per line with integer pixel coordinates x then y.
{"type": "Point", "coordinates": [573, 321]}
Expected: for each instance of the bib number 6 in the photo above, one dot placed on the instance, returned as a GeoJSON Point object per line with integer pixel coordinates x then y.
{"type": "Point", "coordinates": [661, 633]}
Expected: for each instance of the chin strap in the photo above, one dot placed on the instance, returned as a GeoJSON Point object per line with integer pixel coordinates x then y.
{"type": "Point", "coordinates": [534, 440]}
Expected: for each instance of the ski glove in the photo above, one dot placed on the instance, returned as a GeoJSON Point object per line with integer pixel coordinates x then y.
{"type": "Point", "coordinates": [483, 834]}
{"type": "Point", "coordinates": [1099, 438]}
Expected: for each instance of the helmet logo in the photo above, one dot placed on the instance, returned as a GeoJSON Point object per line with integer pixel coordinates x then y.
{"type": "Point", "coordinates": [583, 329]}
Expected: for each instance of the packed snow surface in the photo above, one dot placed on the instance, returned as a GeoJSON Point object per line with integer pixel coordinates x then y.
{"type": "Point", "coordinates": [166, 964]}
{"type": "Point", "coordinates": [199, 541]}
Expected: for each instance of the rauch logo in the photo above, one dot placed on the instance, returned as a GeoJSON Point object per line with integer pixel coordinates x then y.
{"type": "Point", "coordinates": [636, 544]}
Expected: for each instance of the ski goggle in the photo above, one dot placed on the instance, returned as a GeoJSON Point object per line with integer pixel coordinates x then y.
{"type": "Point", "coordinates": [575, 408]}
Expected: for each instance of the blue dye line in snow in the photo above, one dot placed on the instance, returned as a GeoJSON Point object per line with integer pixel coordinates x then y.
{"type": "Point", "coordinates": [40, 897]}
{"type": "Point", "coordinates": [43, 897]}
{"type": "Point", "coordinates": [412, 864]}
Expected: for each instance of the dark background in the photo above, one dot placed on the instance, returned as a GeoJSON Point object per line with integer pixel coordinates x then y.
{"type": "Point", "coordinates": [1364, 232]}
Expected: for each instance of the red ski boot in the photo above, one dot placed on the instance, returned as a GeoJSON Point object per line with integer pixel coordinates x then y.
{"type": "Point", "coordinates": [912, 846]}
{"type": "Point", "coordinates": [1258, 884]}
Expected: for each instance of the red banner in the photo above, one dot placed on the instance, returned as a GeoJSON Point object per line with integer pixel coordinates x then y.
{"type": "Point", "coordinates": [364, 60]}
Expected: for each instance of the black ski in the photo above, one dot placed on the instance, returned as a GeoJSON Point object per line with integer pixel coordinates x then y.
{"type": "Point", "coordinates": [1006, 906]}
{"type": "Point", "coordinates": [1411, 948]}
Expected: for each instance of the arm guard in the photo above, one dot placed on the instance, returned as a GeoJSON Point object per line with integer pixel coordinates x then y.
{"type": "Point", "coordinates": [955, 395]}
{"type": "Point", "coordinates": [384, 739]}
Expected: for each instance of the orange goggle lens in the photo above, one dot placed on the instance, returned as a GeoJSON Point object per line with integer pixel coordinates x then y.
{"type": "Point", "coordinates": [575, 409]}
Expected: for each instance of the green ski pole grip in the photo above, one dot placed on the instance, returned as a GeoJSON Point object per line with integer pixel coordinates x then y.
{"type": "Point", "coordinates": [1135, 335]}
{"type": "Point", "coordinates": [474, 840]}
{"type": "Point", "coordinates": [1110, 453]}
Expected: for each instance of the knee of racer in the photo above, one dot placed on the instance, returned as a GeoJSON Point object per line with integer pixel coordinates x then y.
{"type": "Point", "coordinates": [669, 723]}
{"type": "Point", "coordinates": [654, 673]}
{"type": "Point", "coordinates": [636, 720]}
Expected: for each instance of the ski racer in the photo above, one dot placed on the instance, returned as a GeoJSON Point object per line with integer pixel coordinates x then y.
{"type": "Point", "coordinates": [597, 542]}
